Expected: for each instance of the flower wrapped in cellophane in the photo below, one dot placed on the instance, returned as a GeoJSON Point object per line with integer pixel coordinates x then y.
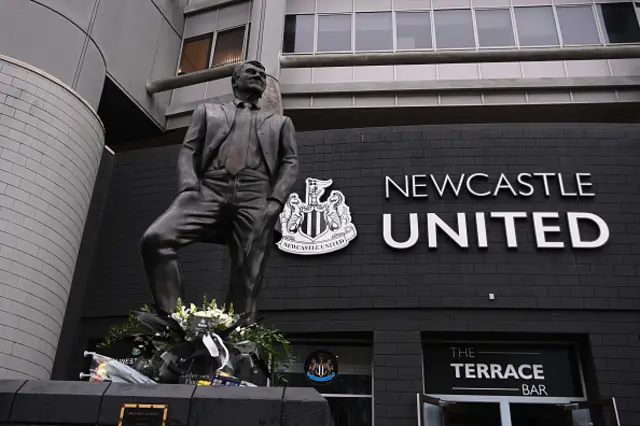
{"type": "Point", "coordinates": [105, 369]}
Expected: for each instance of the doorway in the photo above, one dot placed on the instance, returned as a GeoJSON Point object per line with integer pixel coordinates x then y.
{"type": "Point", "coordinates": [473, 410]}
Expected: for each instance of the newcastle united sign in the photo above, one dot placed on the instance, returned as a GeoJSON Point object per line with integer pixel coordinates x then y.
{"type": "Point", "coordinates": [318, 225]}
{"type": "Point", "coordinates": [482, 185]}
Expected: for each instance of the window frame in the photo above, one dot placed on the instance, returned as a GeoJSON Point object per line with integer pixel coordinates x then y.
{"type": "Point", "coordinates": [473, 29]}
{"type": "Point", "coordinates": [356, 342]}
{"type": "Point", "coordinates": [355, 32]}
{"type": "Point", "coordinates": [317, 33]}
{"type": "Point", "coordinates": [555, 22]}
{"type": "Point", "coordinates": [209, 36]}
{"type": "Point", "coordinates": [243, 50]}
{"type": "Point", "coordinates": [602, 25]}
{"type": "Point", "coordinates": [509, 10]}
{"type": "Point", "coordinates": [396, 28]}
{"type": "Point", "coordinates": [314, 35]}
{"type": "Point", "coordinates": [595, 6]}
{"type": "Point", "coordinates": [594, 13]}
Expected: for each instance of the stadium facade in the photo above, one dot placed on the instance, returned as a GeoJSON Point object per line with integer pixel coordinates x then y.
{"type": "Point", "coordinates": [474, 257]}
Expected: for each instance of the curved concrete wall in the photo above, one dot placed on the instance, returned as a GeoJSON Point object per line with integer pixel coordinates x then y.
{"type": "Point", "coordinates": [45, 37]}
{"type": "Point", "coordinates": [51, 141]}
{"type": "Point", "coordinates": [80, 41]}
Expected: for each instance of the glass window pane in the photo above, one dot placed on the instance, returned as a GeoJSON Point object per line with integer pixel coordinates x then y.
{"type": "Point", "coordinates": [414, 30]}
{"type": "Point", "coordinates": [334, 33]}
{"type": "Point", "coordinates": [298, 34]}
{"type": "Point", "coordinates": [350, 411]}
{"type": "Point", "coordinates": [494, 28]}
{"type": "Point", "coordinates": [539, 414]}
{"type": "Point", "coordinates": [454, 29]}
{"type": "Point", "coordinates": [473, 414]}
{"type": "Point", "coordinates": [578, 25]}
{"type": "Point", "coordinates": [354, 369]}
{"type": "Point", "coordinates": [374, 31]}
{"type": "Point", "coordinates": [619, 22]}
{"type": "Point", "coordinates": [195, 54]}
{"type": "Point", "coordinates": [536, 26]}
{"type": "Point", "coordinates": [228, 48]}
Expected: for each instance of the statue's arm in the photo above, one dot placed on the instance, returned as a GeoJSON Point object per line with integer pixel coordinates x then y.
{"type": "Point", "coordinates": [288, 171]}
{"type": "Point", "coordinates": [191, 150]}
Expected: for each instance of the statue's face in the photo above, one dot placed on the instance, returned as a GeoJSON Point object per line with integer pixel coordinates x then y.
{"type": "Point", "coordinates": [252, 80]}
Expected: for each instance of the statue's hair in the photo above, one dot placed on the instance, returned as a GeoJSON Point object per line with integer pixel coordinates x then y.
{"type": "Point", "coordinates": [240, 67]}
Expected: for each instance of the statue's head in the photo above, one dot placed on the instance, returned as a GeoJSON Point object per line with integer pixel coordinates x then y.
{"type": "Point", "coordinates": [249, 78]}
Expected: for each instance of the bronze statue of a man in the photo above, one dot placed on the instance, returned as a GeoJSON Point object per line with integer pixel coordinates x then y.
{"type": "Point", "coordinates": [236, 168]}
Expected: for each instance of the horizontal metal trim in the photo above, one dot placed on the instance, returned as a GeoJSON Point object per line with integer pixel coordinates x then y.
{"type": "Point", "coordinates": [190, 79]}
{"type": "Point", "coordinates": [203, 6]}
{"type": "Point", "coordinates": [411, 58]}
{"type": "Point", "coordinates": [489, 85]}
{"type": "Point", "coordinates": [461, 56]}
{"type": "Point", "coordinates": [501, 84]}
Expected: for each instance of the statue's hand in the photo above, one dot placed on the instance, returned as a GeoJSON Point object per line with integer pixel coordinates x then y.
{"type": "Point", "coordinates": [193, 187]}
{"type": "Point", "coordinates": [274, 208]}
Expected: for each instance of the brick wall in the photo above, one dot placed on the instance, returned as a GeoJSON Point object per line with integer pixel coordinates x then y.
{"type": "Point", "coordinates": [368, 274]}
{"type": "Point", "coordinates": [399, 293]}
{"type": "Point", "coordinates": [50, 147]}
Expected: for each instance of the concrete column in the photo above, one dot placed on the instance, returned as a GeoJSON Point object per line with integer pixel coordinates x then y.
{"type": "Point", "coordinates": [267, 28]}
{"type": "Point", "coordinates": [51, 142]}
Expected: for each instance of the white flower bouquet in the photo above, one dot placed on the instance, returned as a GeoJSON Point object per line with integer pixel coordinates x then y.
{"type": "Point", "coordinates": [199, 344]}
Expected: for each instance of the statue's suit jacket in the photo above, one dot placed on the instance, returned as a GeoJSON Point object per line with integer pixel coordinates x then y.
{"type": "Point", "coordinates": [211, 125]}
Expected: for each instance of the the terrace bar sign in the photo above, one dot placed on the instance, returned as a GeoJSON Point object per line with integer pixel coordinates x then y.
{"type": "Point", "coordinates": [547, 370]}
{"type": "Point", "coordinates": [546, 224]}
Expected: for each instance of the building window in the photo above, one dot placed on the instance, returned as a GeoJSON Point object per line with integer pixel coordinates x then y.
{"type": "Point", "coordinates": [334, 33]}
{"type": "Point", "coordinates": [494, 28]}
{"type": "Point", "coordinates": [229, 46]}
{"type": "Point", "coordinates": [620, 23]}
{"type": "Point", "coordinates": [536, 26]}
{"type": "Point", "coordinates": [349, 393]}
{"type": "Point", "coordinates": [577, 25]}
{"type": "Point", "coordinates": [454, 29]}
{"type": "Point", "coordinates": [195, 54]}
{"type": "Point", "coordinates": [374, 31]}
{"type": "Point", "coordinates": [475, 28]}
{"type": "Point", "coordinates": [413, 30]}
{"type": "Point", "coordinates": [298, 33]}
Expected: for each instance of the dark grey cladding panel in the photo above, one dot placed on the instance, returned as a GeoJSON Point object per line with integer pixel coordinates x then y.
{"type": "Point", "coordinates": [51, 402]}
{"type": "Point", "coordinates": [8, 389]}
{"type": "Point", "coordinates": [178, 397]}
{"type": "Point", "coordinates": [236, 406]}
{"type": "Point", "coordinates": [370, 275]}
{"type": "Point", "coordinates": [305, 406]}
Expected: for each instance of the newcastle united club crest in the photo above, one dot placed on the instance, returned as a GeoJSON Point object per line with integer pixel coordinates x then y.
{"type": "Point", "coordinates": [316, 226]}
{"type": "Point", "coordinates": [321, 367]}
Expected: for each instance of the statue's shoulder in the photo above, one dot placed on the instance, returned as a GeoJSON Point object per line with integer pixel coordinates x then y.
{"type": "Point", "coordinates": [214, 107]}
{"type": "Point", "coordinates": [276, 119]}
{"type": "Point", "coordinates": [213, 110]}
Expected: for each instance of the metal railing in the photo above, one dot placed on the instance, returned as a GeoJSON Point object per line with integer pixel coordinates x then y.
{"type": "Point", "coordinates": [411, 58]}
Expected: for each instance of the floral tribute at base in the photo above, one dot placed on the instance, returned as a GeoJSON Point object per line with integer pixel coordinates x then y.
{"type": "Point", "coordinates": [207, 346]}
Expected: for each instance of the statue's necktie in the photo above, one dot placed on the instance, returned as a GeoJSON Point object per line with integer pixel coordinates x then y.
{"type": "Point", "coordinates": [237, 154]}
